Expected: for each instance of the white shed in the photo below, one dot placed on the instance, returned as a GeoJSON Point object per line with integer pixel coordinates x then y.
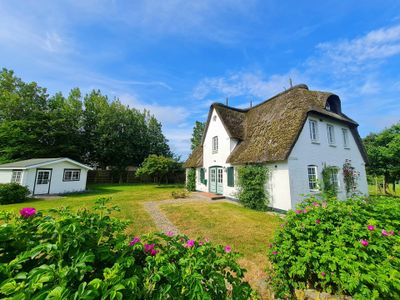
{"type": "Point", "coordinates": [46, 175]}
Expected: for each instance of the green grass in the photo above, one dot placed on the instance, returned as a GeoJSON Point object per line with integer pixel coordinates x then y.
{"type": "Point", "coordinates": [373, 191]}
{"type": "Point", "coordinates": [246, 231]}
{"type": "Point", "coordinates": [129, 197]}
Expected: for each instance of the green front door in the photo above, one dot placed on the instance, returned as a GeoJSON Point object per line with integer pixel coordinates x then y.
{"type": "Point", "coordinates": [216, 180]}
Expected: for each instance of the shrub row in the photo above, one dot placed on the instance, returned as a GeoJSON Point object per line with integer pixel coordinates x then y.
{"type": "Point", "coordinates": [13, 193]}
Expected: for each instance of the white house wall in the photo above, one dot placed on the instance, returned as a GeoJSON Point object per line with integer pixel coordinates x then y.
{"type": "Point", "coordinates": [278, 185]}
{"type": "Point", "coordinates": [306, 153]}
{"type": "Point", "coordinates": [5, 176]}
{"type": "Point", "coordinates": [58, 186]}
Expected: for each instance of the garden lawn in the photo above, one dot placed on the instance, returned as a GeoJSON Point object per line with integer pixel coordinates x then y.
{"type": "Point", "coordinates": [246, 231]}
{"type": "Point", "coordinates": [129, 197]}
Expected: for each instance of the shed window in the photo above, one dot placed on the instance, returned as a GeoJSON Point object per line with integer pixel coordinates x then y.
{"type": "Point", "coordinates": [231, 176]}
{"type": "Point", "coordinates": [312, 177]}
{"type": "Point", "coordinates": [215, 144]}
{"type": "Point", "coordinates": [71, 175]}
{"type": "Point", "coordinates": [313, 130]}
{"type": "Point", "coordinates": [345, 133]}
{"type": "Point", "coordinates": [331, 134]}
{"type": "Point", "coordinates": [16, 176]}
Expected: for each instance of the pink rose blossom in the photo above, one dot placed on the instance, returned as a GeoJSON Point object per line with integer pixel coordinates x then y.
{"type": "Point", "coordinates": [149, 248]}
{"type": "Point", "coordinates": [190, 243]}
{"type": "Point", "coordinates": [274, 253]}
{"type": "Point", "coordinates": [228, 249]}
{"type": "Point", "coordinates": [305, 210]}
{"type": "Point", "coordinates": [371, 227]}
{"type": "Point", "coordinates": [27, 212]}
{"type": "Point", "coordinates": [384, 232]}
{"type": "Point", "coordinates": [298, 211]}
{"type": "Point", "coordinates": [170, 233]}
{"type": "Point", "coordinates": [153, 252]}
{"type": "Point", "coordinates": [364, 243]}
{"type": "Point", "coordinates": [323, 274]}
{"type": "Point", "coordinates": [134, 241]}
{"type": "Point", "coordinates": [317, 221]}
{"type": "Point", "coordinates": [391, 232]}
{"type": "Point", "coordinates": [316, 204]}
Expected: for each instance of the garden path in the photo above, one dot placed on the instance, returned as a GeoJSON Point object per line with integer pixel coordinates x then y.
{"type": "Point", "coordinates": [161, 220]}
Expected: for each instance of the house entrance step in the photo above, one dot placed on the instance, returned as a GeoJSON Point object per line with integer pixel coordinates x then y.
{"type": "Point", "coordinates": [210, 196]}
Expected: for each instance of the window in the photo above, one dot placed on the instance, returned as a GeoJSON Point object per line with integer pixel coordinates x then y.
{"type": "Point", "coordinates": [314, 131]}
{"type": "Point", "coordinates": [219, 175]}
{"type": "Point", "coordinates": [345, 137]}
{"type": "Point", "coordinates": [231, 176]}
{"type": "Point", "coordinates": [16, 176]}
{"type": "Point", "coordinates": [215, 144]}
{"type": "Point", "coordinates": [312, 178]}
{"type": "Point", "coordinates": [334, 178]}
{"type": "Point", "coordinates": [331, 134]}
{"type": "Point", "coordinates": [72, 175]}
{"type": "Point", "coordinates": [43, 177]}
{"type": "Point", "coordinates": [202, 176]}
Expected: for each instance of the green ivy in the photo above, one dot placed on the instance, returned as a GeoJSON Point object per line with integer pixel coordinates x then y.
{"type": "Point", "coordinates": [328, 186]}
{"type": "Point", "coordinates": [347, 247]}
{"type": "Point", "coordinates": [191, 180]}
{"type": "Point", "coordinates": [251, 185]}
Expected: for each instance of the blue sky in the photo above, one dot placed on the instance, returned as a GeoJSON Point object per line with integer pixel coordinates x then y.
{"type": "Point", "coordinates": [177, 57]}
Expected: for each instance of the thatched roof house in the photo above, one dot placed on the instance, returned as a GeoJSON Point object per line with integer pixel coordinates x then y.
{"type": "Point", "coordinates": [268, 131]}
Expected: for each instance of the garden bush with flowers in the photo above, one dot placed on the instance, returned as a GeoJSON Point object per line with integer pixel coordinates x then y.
{"type": "Point", "coordinates": [86, 255]}
{"type": "Point", "coordinates": [347, 247]}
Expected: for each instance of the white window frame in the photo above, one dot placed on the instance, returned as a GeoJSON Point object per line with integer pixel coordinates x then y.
{"type": "Point", "coordinates": [330, 131]}
{"type": "Point", "coordinates": [215, 144]}
{"type": "Point", "coordinates": [313, 124]}
{"type": "Point", "coordinates": [345, 134]}
{"type": "Point", "coordinates": [16, 176]}
{"type": "Point", "coordinates": [72, 175]}
{"type": "Point", "coordinates": [312, 178]}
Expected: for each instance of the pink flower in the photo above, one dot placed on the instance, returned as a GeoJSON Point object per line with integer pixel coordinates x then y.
{"type": "Point", "coordinates": [364, 243]}
{"type": "Point", "coordinates": [274, 253]}
{"type": "Point", "coordinates": [134, 241]}
{"type": "Point", "coordinates": [27, 212]}
{"type": "Point", "coordinates": [305, 210]}
{"type": "Point", "coordinates": [153, 252]}
{"type": "Point", "coordinates": [391, 232]}
{"type": "Point", "coordinates": [298, 211]}
{"type": "Point", "coordinates": [201, 243]}
{"type": "Point", "coordinates": [323, 274]}
{"type": "Point", "coordinates": [316, 204]}
{"type": "Point", "coordinates": [170, 233]}
{"type": "Point", "coordinates": [190, 243]}
{"type": "Point", "coordinates": [317, 221]}
{"type": "Point", "coordinates": [384, 232]}
{"type": "Point", "coordinates": [148, 248]}
{"type": "Point", "coordinates": [371, 227]}
{"type": "Point", "coordinates": [228, 249]}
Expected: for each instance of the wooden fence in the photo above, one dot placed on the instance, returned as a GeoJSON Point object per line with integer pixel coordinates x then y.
{"type": "Point", "coordinates": [110, 176]}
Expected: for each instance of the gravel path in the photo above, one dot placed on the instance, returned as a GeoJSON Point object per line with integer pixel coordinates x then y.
{"type": "Point", "coordinates": [161, 220]}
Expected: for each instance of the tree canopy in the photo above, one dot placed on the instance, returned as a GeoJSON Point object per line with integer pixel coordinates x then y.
{"type": "Point", "coordinates": [90, 128]}
{"type": "Point", "coordinates": [197, 134]}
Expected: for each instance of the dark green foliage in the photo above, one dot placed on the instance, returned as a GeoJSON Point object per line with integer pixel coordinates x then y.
{"type": "Point", "coordinates": [88, 128]}
{"type": "Point", "coordinates": [158, 167]}
{"type": "Point", "coordinates": [191, 180]}
{"type": "Point", "coordinates": [347, 247]}
{"type": "Point", "coordinates": [251, 183]}
{"type": "Point", "coordinates": [197, 134]}
{"type": "Point", "coordinates": [328, 184]}
{"type": "Point", "coordinates": [13, 193]}
{"type": "Point", "coordinates": [85, 255]}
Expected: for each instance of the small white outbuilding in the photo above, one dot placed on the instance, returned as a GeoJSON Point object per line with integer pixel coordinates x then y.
{"type": "Point", "coordinates": [46, 175]}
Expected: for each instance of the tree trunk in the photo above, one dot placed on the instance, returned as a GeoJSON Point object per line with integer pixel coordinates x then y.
{"type": "Point", "coordinates": [394, 186]}
{"type": "Point", "coordinates": [385, 180]}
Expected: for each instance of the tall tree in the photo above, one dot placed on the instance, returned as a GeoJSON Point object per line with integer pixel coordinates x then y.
{"type": "Point", "coordinates": [384, 154]}
{"type": "Point", "coordinates": [158, 144]}
{"type": "Point", "coordinates": [197, 134]}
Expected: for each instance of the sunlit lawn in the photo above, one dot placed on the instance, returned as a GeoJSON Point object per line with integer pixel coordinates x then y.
{"type": "Point", "coordinates": [128, 197]}
{"type": "Point", "coordinates": [372, 189]}
{"type": "Point", "coordinates": [246, 231]}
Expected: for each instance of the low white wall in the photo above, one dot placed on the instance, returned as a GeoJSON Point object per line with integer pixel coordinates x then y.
{"type": "Point", "coordinates": [5, 176]}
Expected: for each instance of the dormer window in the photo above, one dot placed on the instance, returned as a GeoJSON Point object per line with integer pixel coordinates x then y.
{"type": "Point", "coordinates": [333, 104]}
{"type": "Point", "coordinates": [328, 106]}
{"type": "Point", "coordinates": [215, 144]}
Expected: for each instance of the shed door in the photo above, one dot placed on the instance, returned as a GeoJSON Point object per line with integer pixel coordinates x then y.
{"type": "Point", "coordinates": [42, 185]}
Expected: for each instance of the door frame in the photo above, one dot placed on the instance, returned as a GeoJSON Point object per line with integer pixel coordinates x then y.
{"type": "Point", "coordinates": [216, 178]}
{"type": "Point", "coordinates": [36, 173]}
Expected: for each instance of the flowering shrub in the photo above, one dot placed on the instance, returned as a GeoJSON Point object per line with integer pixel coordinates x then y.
{"type": "Point", "coordinates": [350, 177]}
{"type": "Point", "coordinates": [85, 255]}
{"type": "Point", "coordinates": [341, 247]}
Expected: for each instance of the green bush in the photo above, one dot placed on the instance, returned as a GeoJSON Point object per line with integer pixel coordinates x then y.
{"type": "Point", "coordinates": [347, 247]}
{"type": "Point", "coordinates": [251, 183]}
{"type": "Point", "coordinates": [13, 193]}
{"type": "Point", "coordinates": [85, 255]}
{"type": "Point", "coordinates": [191, 180]}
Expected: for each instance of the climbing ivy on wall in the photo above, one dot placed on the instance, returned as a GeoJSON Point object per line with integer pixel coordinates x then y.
{"type": "Point", "coordinates": [251, 186]}
{"type": "Point", "coordinates": [191, 180]}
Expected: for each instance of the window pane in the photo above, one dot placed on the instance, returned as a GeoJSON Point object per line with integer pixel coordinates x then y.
{"type": "Point", "coordinates": [312, 178]}
{"type": "Point", "coordinates": [313, 130]}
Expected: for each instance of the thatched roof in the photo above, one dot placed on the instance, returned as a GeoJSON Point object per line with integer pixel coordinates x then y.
{"type": "Point", "coordinates": [195, 159]}
{"type": "Point", "coordinates": [268, 131]}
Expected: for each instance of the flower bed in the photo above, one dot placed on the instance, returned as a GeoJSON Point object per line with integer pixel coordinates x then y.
{"type": "Point", "coordinates": [340, 247]}
{"type": "Point", "coordinates": [85, 255]}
